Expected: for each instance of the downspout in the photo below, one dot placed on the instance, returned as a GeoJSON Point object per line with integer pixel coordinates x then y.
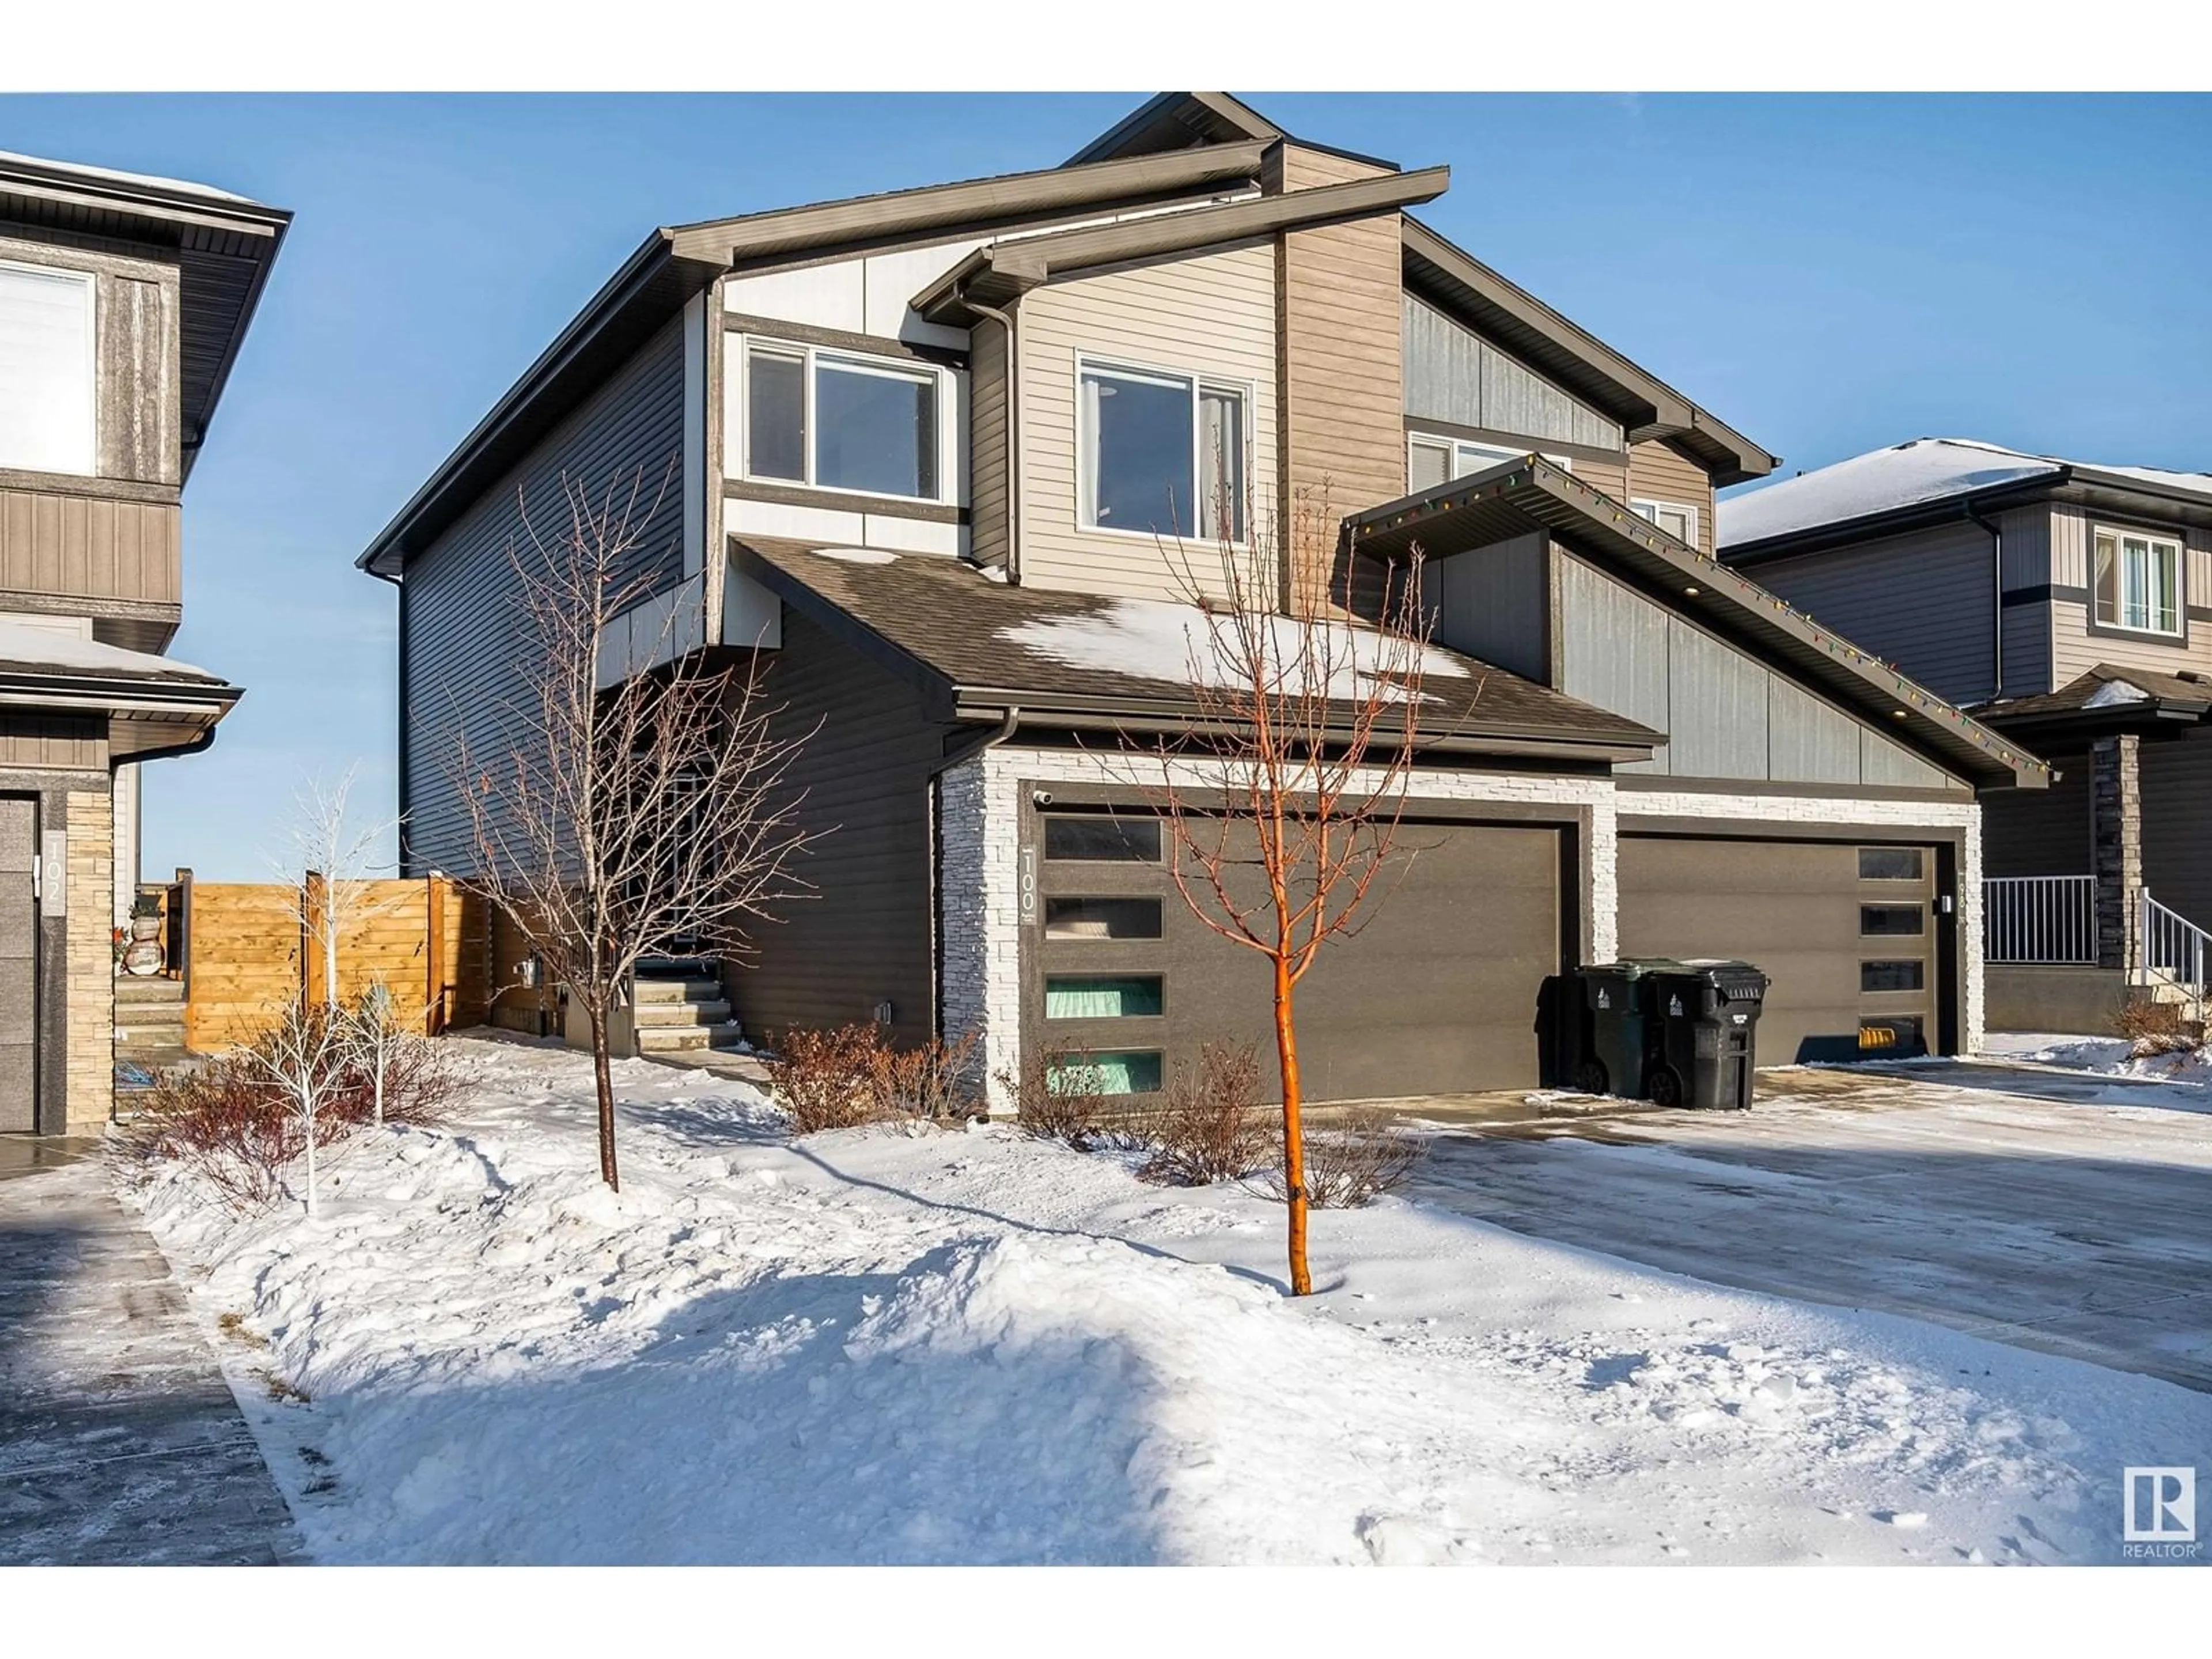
{"type": "Point", "coordinates": [934, 802]}
{"type": "Point", "coordinates": [1005, 321]}
{"type": "Point", "coordinates": [1996, 600]}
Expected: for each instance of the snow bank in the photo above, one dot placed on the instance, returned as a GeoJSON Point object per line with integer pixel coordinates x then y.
{"type": "Point", "coordinates": [973, 1347]}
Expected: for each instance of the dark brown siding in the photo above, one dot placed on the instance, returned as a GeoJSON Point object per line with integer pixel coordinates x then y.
{"type": "Point", "coordinates": [463, 628]}
{"type": "Point", "coordinates": [68, 742]}
{"type": "Point", "coordinates": [2177, 805]}
{"type": "Point", "coordinates": [2044, 832]}
{"type": "Point", "coordinates": [80, 544]}
{"type": "Point", "coordinates": [865, 937]}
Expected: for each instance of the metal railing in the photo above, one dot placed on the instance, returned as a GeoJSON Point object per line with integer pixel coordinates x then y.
{"type": "Point", "coordinates": [2039, 919]}
{"type": "Point", "coordinates": [2175, 951]}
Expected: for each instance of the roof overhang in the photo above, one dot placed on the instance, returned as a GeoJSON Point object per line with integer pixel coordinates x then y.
{"type": "Point", "coordinates": [224, 245]}
{"type": "Point", "coordinates": [147, 715]}
{"type": "Point", "coordinates": [1001, 273]}
{"type": "Point", "coordinates": [1517, 498]}
{"type": "Point", "coordinates": [1171, 121]}
{"type": "Point", "coordinates": [1646, 406]}
{"type": "Point", "coordinates": [2162, 705]}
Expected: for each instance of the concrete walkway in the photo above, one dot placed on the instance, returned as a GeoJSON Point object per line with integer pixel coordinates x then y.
{"type": "Point", "coordinates": [2050, 1210]}
{"type": "Point", "coordinates": [120, 1442]}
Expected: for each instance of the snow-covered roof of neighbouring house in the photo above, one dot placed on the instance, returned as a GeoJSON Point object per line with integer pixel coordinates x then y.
{"type": "Point", "coordinates": [1910, 475]}
{"type": "Point", "coordinates": [116, 176]}
{"type": "Point", "coordinates": [26, 645]}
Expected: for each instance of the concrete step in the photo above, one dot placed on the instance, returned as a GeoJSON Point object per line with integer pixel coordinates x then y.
{"type": "Point", "coordinates": [671, 1039]}
{"type": "Point", "coordinates": [168, 1016]}
{"type": "Point", "coordinates": [152, 989]}
{"type": "Point", "coordinates": [656, 1014]}
{"type": "Point", "coordinates": [676, 990]}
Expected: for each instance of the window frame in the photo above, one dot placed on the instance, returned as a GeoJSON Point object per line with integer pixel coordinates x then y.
{"type": "Point", "coordinates": [809, 354]}
{"type": "Point", "coordinates": [1494, 454]}
{"type": "Point", "coordinates": [87, 282]}
{"type": "Point", "coordinates": [1200, 382]}
{"type": "Point", "coordinates": [1637, 504]}
{"type": "Point", "coordinates": [2152, 541]}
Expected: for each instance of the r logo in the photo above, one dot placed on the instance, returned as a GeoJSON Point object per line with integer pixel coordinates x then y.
{"type": "Point", "coordinates": [2161, 1506]}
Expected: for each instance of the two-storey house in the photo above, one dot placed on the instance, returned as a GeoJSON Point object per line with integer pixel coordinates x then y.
{"type": "Point", "coordinates": [123, 303]}
{"type": "Point", "coordinates": [2071, 606]}
{"type": "Point", "coordinates": [931, 448]}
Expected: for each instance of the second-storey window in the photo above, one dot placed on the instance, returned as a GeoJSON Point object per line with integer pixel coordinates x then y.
{"type": "Point", "coordinates": [1162, 454]}
{"type": "Point", "coordinates": [1677, 521]}
{"type": "Point", "coordinates": [840, 422]}
{"type": "Point", "coordinates": [2138, 582]}
{"type": "Point", "coordinates": [46, 373]}
{"type": "Point", "coordinates": [1432, 459]}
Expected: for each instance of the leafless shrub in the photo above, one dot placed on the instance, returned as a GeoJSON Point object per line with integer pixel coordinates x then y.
{"type": "Point", "coordinates": [1056, 1097]}
{"type": "Point", "coordinates": [929, 1083]}
{"type": "Point", "coordinates": [852, 1076]}
{"type": "Point", "coordinates": [2154, 1028]}
{"type": "Point", "coordinates": [1351, 1163]}
{"type": "Point", "coordinates": [1210, 1128]}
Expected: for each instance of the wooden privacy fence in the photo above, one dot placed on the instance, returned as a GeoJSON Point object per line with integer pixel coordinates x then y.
{"type": "Point", "coordinates": [252, 954]}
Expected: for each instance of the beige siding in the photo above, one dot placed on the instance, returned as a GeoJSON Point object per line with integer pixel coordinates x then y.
{"type": "Point", "coordinates": [1343, 399]}
{"type": "Point", "coordinates": [1607, 477]}
{"type": "Point", "coordinates": [2074, 650]}
{"type": "Point", "coordinates": [1658, 471]}
{"type": "Point", "coordinates": [986, 445]}
{"type": "Point", "coordinates": [1214, 315]}
{"type": "Point", "coordinates": [87, 546]}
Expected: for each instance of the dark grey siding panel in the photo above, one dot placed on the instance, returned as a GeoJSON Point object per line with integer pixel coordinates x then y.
{"type": "Point", "coordinates": [1613, 650]}
{"type": "Point", "coordinates": [2043, 832]}
{"type": "Point", "coordinates": [1453, 374]}
{"type": "Point", "coordinates": [1881, 761]}
{"type": "Point", "coordinates": [1807, 740]}
{"type": "Point", "coordinates": [1489, 603]}
{"type": "Point", "coordinates": [460, 659]}
{"type": "Point", "coordinates": [1717, 707]}
{"type": "Point", "coordinates": [865, 937]}
{"type": "Point", "coordinates": [2177, 804]}
{"type": "Point", "coordinates": [1920, 601]}
{"type": "Point", "coordinates": [2028, 649]}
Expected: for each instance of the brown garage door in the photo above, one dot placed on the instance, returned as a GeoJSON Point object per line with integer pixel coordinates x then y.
{"type": "Point", "coordinates": [1846, 935]}
{"type": "Point", "coordinates": [1435, 994]}
{"type": "Point", "coordinates": [19, 935]}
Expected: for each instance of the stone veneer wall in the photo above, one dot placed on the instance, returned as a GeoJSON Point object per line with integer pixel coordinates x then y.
{"type": "Point", "coordinates": [980, 807]}
{"type": "Point", "coordinates": [90, 993]}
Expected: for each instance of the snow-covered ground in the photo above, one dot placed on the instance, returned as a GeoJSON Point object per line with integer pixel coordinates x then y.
{"type": "Point", "coordinates": [2112, 1057]}
{"type": "Point", "coordinates": [967, 1346]}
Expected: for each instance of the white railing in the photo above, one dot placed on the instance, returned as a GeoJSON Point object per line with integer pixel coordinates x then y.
{"type": "Point", "coordinates": [2039, 919]}
{"type": "Point", "coordinates": [2175, 951]}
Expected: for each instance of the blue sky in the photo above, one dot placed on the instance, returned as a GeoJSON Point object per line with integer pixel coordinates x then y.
{"type": "Point", "coordinates": [1828, 274]}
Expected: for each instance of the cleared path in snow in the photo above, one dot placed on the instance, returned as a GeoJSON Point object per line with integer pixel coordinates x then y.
{"type": "Point", "coordinates": [2057, 1213]}
{"type": "Point", "coordinates": [120, 1442]}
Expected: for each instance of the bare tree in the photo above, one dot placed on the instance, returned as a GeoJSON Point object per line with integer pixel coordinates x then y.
{"type": "Point", "coordinates": [635, 800]}
{"type": "Point", "coordinates": [329, 859]}
{"type": "Point", "coordinates": [1308, 721]}
{"type": "Point", "coordinates": [305, 1055]}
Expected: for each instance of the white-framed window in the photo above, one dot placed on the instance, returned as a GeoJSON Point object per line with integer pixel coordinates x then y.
{"type": "Point", "coordinates": [1432, 459]}
{"type": "Point", "coordinates": [1677, 520]}
{"type": "Point", "coordinates": [832, 419]}
{"type": "Point", "coordinates": [2138, 581]}
{"type": "Point", "coordinates": [48, 370]}
{"type": "Point", "coordinates": [1161, 452]}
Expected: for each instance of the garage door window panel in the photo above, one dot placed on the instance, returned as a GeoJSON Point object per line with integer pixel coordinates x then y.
{"type": "Point", "coordinates": [1879, 978]}
{"type": "Point", "coordinates": [1893, 920]}
{"type": "Point", "coordinates": [1893, 864]}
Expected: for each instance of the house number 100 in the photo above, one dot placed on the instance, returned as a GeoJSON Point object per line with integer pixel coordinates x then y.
{"type": "Point", "coordinates": [1028, 879]}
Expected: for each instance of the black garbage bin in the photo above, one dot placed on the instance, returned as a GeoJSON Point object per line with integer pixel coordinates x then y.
{"type": "Point", "coordinates": [1704, 1025]}
{"type": "Point", "coordinates": [1612, 1056]}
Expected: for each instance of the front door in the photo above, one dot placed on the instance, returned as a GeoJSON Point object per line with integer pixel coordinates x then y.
{"type": "Point", "coordinates": [19, 962]}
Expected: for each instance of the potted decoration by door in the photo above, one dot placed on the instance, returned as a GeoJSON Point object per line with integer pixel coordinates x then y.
{"type": "Point", "coordinates": [145, 955]}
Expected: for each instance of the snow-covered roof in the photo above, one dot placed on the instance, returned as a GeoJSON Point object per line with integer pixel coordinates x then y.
{"type": "Point", "coordinates": [27, 645]}
{"type": "Point", "coordinates": [1908, 475]}
{"type": "Point", "coordinates": [116, 176]}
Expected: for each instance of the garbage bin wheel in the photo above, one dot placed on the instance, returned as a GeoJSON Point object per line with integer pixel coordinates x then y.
{"type": "Point", "coordinates": [1663, 1087]}
{"type": "Point", "coordinates": [1591, 1077]}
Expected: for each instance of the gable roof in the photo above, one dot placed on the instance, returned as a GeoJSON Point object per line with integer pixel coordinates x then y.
{"type": "Point", "coordinates": [1519, 497]}
{"type": "Point", "coordinates": [1887, 490]}
{"type": "Point", "coordinates": [1003, 270]}
{"type": "Point", "coordinates": [224, 245]}
{"type": "Point", "coordinates": [1179, 121]}
{"type": "Point", "coordinates": [978, 646]}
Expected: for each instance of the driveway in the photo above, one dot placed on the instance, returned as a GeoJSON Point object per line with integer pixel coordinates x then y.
{"type": "Point", "coordinates": [2052, 1210]}
{"type": "Point", "coordinates": [119, 1441]}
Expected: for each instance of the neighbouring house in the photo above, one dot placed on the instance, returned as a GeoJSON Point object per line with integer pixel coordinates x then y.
{"type": "Point", "coordinates": [2070, 606]}
{"type": "Point", "coordinates": [925, 443]}
{"type": "Point", "coordinates": [123, 302]}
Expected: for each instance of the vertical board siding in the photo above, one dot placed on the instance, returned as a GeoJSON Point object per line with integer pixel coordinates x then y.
{"type": "Point", "coordinates": [1920, 601]}
{"type": "Point", "coordinates": [1213, 315]}
{"type": "Point", "coordinates": [1453, 375]}
{"type": "Point", "coordinates": [1490, 604]}
{"type": "Point", "coordinates": [465, 634]}
{"type": "Point", "coordinates": [1725, 715]}
{"type": "Point", "coordinates": [865, 935]}
{"type": "Point", "coordinates": [2044, 832]}
{"type": "Point", "coordinates": [69, 742]}
{"type": "Point", "coordinates": [987, 483]}
{"type": "Point", "coordinates": [89, 547]}
{"type": "Point", "coordinates": [1659, 471]}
